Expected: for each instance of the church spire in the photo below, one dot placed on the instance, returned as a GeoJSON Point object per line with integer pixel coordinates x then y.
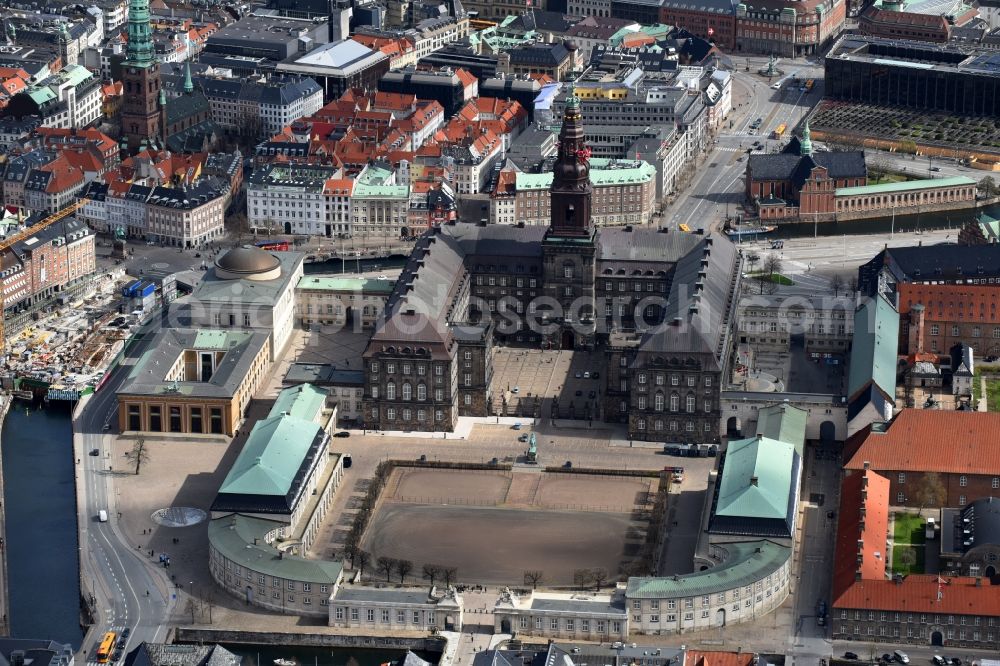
{"type": "Point", "coordinates": [140, 36]}
{"type": "Point", "coordinates": [571, 189]}
{"type": "Point", "coordinates": [188, 83]}
{"type": "Point", "coordinates": [806, 146]}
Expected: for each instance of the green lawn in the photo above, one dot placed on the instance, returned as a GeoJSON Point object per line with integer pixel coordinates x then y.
{"type": "Point", "coordinates": [776, 278]}
{"type": "Point", "coordinates": [975, 390]}
{"type": "Point", "coordinates": [916, 567]}
{"type": "Point", "coordinates": [993, 395]}
{"type": "Point", "coordinates": [908, 529]}
{"type": "Point", "coordinates": [888, 178]}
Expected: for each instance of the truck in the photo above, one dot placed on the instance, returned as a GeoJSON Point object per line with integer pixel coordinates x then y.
{"type": "Point", "coordinates": [929, 528]}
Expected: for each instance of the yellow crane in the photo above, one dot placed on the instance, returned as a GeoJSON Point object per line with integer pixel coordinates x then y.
{"type": "Point", "coordinates": [9, 242]}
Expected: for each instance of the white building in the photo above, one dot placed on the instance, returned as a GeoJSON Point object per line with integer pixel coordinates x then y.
{"type": "Point", "coordinates": [69, 99]}
{"type": "Point", "coordinates": [301, 199]}
{"type": "Point", "coordinates": [378, 205]}
{"type": "Point", "coordinates": [399, 609]}
{"type": "Point", "coordinates": [246, 289]}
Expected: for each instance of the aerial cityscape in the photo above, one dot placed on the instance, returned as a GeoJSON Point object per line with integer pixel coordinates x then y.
{"type": "Point", "coordinates": [512, 333]}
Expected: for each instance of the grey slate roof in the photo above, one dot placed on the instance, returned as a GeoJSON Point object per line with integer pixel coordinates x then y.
{"type": "Point", "coordinates": [707, 329]}
{"type": "Point", "coordinates": [643, 244]}
{"type": "Point", "coordinates": [382, 595]}
{"type": "Point", "coordinates": [588, 606]}
{"type": "Point", "coordinates": [162, 654]}
{"type": "Point", "coordinates": [539, 55]}
{"type": "Point", "coordinates": [983, 518]}
{"type": "Point", "coordinates": [148, 374]}
{"type": "Point", "coordinates": [945, 261]}
{"type": "Point", "coordinates": [788, 166]}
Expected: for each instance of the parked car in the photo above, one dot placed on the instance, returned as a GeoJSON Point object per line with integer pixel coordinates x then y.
{"type": "Point", "coordinates": [595, 375]}
{"type": "Point", "coordinates": [850, 655]}
{"type": "Point", "coordinates": [901, 657]}
{"type": "Point", "coordinates": [586, 375]}
{"type": "Point", "coordinates": [95, 452]}
{"type": "Point", "coordinates": [523, 438]}
{"type": "Point", "coordinates": [578, 375]}
{"type": "Point", "coordinates": [934, 169]}
{"type": "Point", "coordinates": [591, 394]}
{"type": "Point", "coordinates": [938, 659]}
{"type": "Point", "coordinates": [954, 661]}
{"type": "Point", "coordinates": [126, 632]}
{"type": "Point", "coordinates": [887, 658]}
{"type": "Point", "coordinates": [578, 393]}
{"type": "Point", "coordinates": [343, 433]}
{"type": "Point", "coordinates": [516, 426]}
{"type": "Point", "coordinates": [516, 390]}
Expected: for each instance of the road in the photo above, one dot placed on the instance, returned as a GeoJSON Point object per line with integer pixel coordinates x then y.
{"type": "Point", "coordinates": [717, 189]}
{"type": "Point", "coordinates": [126, 591]}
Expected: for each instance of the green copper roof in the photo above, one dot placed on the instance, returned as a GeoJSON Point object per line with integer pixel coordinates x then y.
{"type": "Point", "coordinates": [874, 348]}
{"type": "Point", "coordinates": [784, 423]}
{"type": "Point", "coordinates": [745, 563]}
{"type": "Point", "coordinates": [657, 31]}
{"type": "Point", "coordinates": [242, 539]}
{"type": "Point", "coordinates": [905, 186]}
{"type": "Point", "coordinates": [757, 479]}
{"type": "Point", "coordinates": [139, 52]}
{"type": "Point", "coordinates": [806, 146]}
{"type": "Point", "coordinates": [304, 402]}
{"type": "Point", "coordinates": [600, 174]}
{"type": "Point", "coordinates": [271, 457]}
{"type": "Point", "coordinates": [188, 83]}
{"type": "Point", "coordinates": [352, 284]}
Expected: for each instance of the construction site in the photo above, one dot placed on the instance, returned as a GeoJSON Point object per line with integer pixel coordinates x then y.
{"type": "Point", "coordinates": [64, 324]}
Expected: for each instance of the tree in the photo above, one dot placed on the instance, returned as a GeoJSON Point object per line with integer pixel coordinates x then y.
{"type": "Point", "coordinates": [931, 491]}
{"type": "Point", "coordinates": [239, 225]}
{"type": "Point", "coordinates": [600, 576]}
{"type": "Point", "coordinates": [582, 578]}
{"type": "Point", "coordinates": [191, 607]}
{"type": "Point", "coordinates": [988, 186]}
{"type": "Point", "coordinates": [852, 284]}
{"type": "Point", "coordinates": [386, 565]}
{"type": "Point", "coordinates": [836, 284]}
{"type": "Point", "coordinates": [403, 568]}
{"type": "Point", "coordinates": [363, 559]}
{"type": "Point", "coordinates": [533, 578]}
{"type": "Point", "coordinates": [772, 264]}
{"type": "Point", "coordinates": [139, 454]}
{"type": "Point", "coordinates": [431, 572]}
{"type": "Point", "coordinates": [753, 259]}
{"type": "Point", "coordinates": [878, 167]}
{"type": "Point", "coordinates": [907, 557]}
{"type": "Point", "coordinates": [449, 575]}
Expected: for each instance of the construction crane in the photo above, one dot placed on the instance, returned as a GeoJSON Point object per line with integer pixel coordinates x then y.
{"type": "Point", "coordinates": [10, 241]}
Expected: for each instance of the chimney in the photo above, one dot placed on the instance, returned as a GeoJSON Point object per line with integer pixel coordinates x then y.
{"type": "Point", "coordinates": [867, 465]}
{"type": "Point", "coordinates": [753, 481]}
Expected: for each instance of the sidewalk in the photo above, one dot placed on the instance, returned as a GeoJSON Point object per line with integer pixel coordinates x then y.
{"type": "Point", "coordinates": [4, 598]}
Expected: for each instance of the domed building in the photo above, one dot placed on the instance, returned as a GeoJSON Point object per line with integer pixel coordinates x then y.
{"type": "Point", "coordinates": [247, 288]}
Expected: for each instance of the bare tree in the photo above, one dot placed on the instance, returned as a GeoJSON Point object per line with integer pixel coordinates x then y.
{"type": "Point", "coordinates": [905, 557]}
{"type": "Point", "coordinates": [431, 572]}
{"type": "Point", "coordinates": [988, 186]}
{"type": "Point", "coordinates": [600, 576]}
{"type": "Point", "coordinates": [931, 491]}
{"type": "Point", "coordinates": [878, 167]}
{"type": "Point", "coordinates": [363, 559]}
{"type": "Point", "coordinates": [386, 565]}
{"type": "Point", "coordinates": [449, 575]}
{"type": "Point", "coordinates": [191, 607]}
{"type": "Point", "coordinates": [852, 284]}
{"type": "Point", "coordinates": [210, 603]}
{"type": "Point", "coordinates": [582, 578]}
{"type": "Point", "coordinates": [836, 284]}
{"type": "Point", "coordinates": [534, 578]}
{"type": "Point", "coordinates": [403, 568]}
{"type": "Point", "coordinates": [772, 264]}
{"type": "Point", "coordinates": [138, 454]}
{"type": "Point", "coordinates": [753, 259]}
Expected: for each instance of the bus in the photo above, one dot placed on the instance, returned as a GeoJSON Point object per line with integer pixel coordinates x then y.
{"type": "Point", "coordinates": [779, 130]}
{"type": "Point", "coordinates": [809, 85]}
{"type": "Point", "coordinates": [276, 245]}
{"type": "Point", "coordinates": [106, 648]}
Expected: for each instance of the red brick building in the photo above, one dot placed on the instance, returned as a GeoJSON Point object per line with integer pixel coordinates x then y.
{"type": "Point", "coordinates": [788, 28]}
{"type": "Point", "coordinates": [714, 20]}
{"type": "Point", "coordinates": [868, 606]}
{"type": "Point", "coordinates": [934, 317]}
{"type": "Point", "coordinates": [960, 447]}
{"type": "Point", "coordinates": [903, 25]}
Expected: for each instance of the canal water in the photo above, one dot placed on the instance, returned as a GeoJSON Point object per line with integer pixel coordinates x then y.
{"type": "Point", "coordinates": [259, 655]}
{"type": "Point", "coordinates": [348, 266]}
{"type": "Point", "coordinates": [41, 538]}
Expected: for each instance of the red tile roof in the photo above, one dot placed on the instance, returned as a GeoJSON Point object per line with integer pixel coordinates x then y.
{"type": "Point", "coordinates": [952, 302]}
{"type": "Point", "coordinates": [710, 658]}
{"type": "Point", "coordinates": [862, 528]}
{"type": "Point", "coordinates": [919, 594]}
{"type": "Point", "coordinates": [466, 77]}
{"type": "Point", "coordinates": [931, 440]}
